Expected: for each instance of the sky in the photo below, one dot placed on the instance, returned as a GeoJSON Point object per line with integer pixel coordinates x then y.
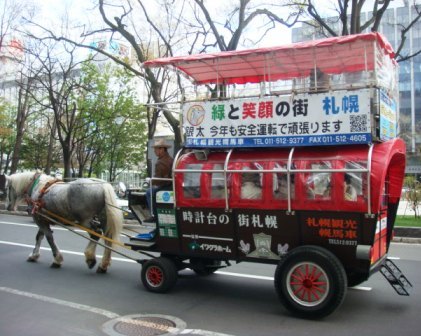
{"type": "Point", "coordinates": [52, 12]}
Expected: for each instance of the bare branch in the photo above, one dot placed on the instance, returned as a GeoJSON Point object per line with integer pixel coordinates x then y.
{"type": "Point", "coordinates": [219, 39]}
{"type": "Point", "coordinates": [315, 15]}
{"type": "Point", "coordinates": [404, 32]}
{"type": "Point", "coordinates": [379, 15]}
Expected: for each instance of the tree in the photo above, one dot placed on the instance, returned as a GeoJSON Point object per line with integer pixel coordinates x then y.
{"type": "Point", "coordinates": [35, 150]}
{"type": "Point", "coordinates": [11, 52]}
{"type": "Point", "coordinates": [176, 27]}
{"type": "Point", "coordinates": [23, 111]}
{"type": "Point", "coordinates": [242, 18]}
{"type": "Point", "coordinates": [10, 12]}
{"type": "Point", "coordinates": [166, 34]}
{"type": "Point", "coordinates": [112, 117]}
{"type": "Point", "coordinates": [6, 134]}
{"type": "Point", "coordinates": [59, 79]}
{"type": "Point", "coordinates": [349, 19]}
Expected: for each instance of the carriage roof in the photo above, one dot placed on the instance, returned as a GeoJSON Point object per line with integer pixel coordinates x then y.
{"type": "Point", "coordinates": [334, 55]}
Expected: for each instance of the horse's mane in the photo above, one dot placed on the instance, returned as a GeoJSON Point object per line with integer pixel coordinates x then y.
{"type": "Point", "coordinates": [21, 180]}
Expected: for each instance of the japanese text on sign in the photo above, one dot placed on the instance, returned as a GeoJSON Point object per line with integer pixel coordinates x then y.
{"type": "Point", "coordinates": [200, 217]}
{"type": "Point", "coordinates": [256, 221]}
{"type": "Point", "coordinates": [339, 117]}
{"type": "Point", "coordinates": [334, 228]}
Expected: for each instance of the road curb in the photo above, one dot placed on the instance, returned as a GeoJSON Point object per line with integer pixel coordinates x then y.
{"type": "Point", "coordinates": [407, 240]}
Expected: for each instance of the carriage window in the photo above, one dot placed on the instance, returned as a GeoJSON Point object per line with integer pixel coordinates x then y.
{"type": "Point", "coordinates": [217, 183]}
{"type": "Point", "coordinates": [318, 184]}
{"type": "Point", "coordinates": [354, 182]}
{"type": "Point", "coordinates": [251, 183]}
{"type": "Point", "coordinates": [280, 182]}
{"type": "Point", "coordinates": [191, 182]}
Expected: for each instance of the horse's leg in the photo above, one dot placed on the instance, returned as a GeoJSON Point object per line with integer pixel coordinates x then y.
{"type": "Point", "coordinates": [106, 258]}
{"type": "Point", "coordinates": [97, 224]}
{"type": "Point", "coordinates": [90, 256]}
{"type": "Point", "coordinates": [58, 257]}
{"type": "Point", "coordinates": [90, 251]}
{"type": "Point", "coordinates": [33, 257]}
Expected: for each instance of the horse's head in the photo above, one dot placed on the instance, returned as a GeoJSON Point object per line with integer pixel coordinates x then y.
{"type": "Point", "coordinates": [16, 188]}
{"type": "Point", "coordinates": [7, 193]}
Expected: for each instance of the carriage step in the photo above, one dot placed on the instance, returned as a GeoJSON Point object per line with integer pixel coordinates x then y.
{"type": "Point", "coordinates": [394, 276]}
{"type": "Point", "coordinates": [141, 212]}
{"type": "Point", "coordinates": [138, 245]}
{"type": "Point", "coordinates": [144, 236]}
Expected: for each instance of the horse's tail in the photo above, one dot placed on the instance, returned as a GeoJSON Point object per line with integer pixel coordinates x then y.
{"type": "Point", "coordinates": [114, 214]}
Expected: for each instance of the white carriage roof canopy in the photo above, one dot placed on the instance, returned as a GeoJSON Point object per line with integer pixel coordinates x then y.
{"type": "Point", "coordinates": [330, 55]}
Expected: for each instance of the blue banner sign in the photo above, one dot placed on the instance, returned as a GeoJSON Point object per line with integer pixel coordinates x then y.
{"type": "Point", "coordinates": [331, 118]}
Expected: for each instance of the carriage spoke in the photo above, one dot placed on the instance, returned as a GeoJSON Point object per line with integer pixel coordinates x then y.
{"type": "Point", "coordinates": [155, 276]}
{"type": "Point", "coordinates": [308, 283]}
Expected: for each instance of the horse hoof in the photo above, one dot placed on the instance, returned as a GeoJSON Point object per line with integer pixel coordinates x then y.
{"type": "Point", "coordinates": [101, 270]}
{"type": "Point", "coordinates": [32, 259]}
{"type": "Point", "coordinates": [91, 263]}
{"type": "Point", "coordinates": [55, 265]}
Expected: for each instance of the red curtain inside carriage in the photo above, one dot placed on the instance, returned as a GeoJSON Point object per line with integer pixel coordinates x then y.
{"type": "Point", "coordinates": [318, 178]}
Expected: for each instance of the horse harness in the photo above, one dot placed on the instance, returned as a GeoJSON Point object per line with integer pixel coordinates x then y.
{"type": "Point", "coordinates": [37, 204]}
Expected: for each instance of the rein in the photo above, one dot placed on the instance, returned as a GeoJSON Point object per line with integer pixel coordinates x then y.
{"type": "Point", "coordinates": [92, 232]}
{"type": "Point", "coordinates": [56, 219]}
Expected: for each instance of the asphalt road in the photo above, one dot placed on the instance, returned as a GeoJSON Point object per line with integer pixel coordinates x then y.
{"type": "Point", "coordinates": [38, 300]}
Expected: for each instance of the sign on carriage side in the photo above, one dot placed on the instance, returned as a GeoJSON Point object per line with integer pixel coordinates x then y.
{"type": "Point", "coordinates": [388, 115]}
{"type": "Point", "coordinates": [329, 118]}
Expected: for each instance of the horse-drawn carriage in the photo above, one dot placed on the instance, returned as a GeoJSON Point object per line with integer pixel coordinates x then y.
{"type": "Point", "coordinates": [315, 141]}
{"type": "Point", "coordinates": [293, 161]}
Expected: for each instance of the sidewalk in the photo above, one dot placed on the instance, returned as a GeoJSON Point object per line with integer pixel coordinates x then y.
{"type": "Point", "coordinates": [405, 209]}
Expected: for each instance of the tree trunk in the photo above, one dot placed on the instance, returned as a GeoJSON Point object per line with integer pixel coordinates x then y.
{"type": "Point", "coordinates": [21, 117]}
{"type": "Point", "coordinates": [50, 149]}
{"type": "Point", "coordinates": [67, 161]}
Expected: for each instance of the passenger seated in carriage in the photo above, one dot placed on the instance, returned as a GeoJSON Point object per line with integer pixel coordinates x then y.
{"type": "Point", "coordinates": [350, 192]}
{"type": "Point", "coordinates": [281, 190]}
{"type": "Point", "coordinates": [280, 182]}
{"type": "Point", "coordinates": [319, 183]}
{"type": "Point", "coordinates": [250, 185]}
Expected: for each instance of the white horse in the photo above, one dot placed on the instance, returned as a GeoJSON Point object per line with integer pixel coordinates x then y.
{"type": "Point", "coordinates": [88, 202]}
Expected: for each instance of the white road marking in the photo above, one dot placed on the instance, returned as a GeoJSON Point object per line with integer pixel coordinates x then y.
{"type": "Point", "coordinates": [241, 275]}
{"type": "Point", "coordinates": [112, 315]}
{"type": "Point", "coordinates": [18, 224]}
{"type": "Point", "coordinates": [103, 312]}
{"type": "Point", "coordinates": [361, 288]}
{"type": "Point", "coordinates": [35, 226]}
{"type": "Point", "coordinates": [63, 251]}
{"type": "Point", "coordinates": [69, 304]}
{"type": "Point", "coordinates": [99, 311]}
